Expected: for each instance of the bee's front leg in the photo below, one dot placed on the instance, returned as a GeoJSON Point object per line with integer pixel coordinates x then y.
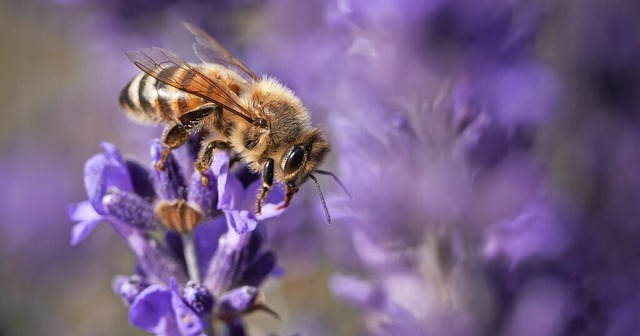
{"type": "Point", "coordinates": [267, 182]}
{"type": "Point", "coordinates": [205, 157]}
{"type": "Point", "coordinates": [287, 198]}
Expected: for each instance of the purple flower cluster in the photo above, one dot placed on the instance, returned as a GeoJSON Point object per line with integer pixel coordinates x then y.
{"type": "Point", "coordinates": [199, 248]}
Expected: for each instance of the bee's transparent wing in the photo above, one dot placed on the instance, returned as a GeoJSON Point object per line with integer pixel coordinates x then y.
{"type": "Point", "coordinates": [170, 69]}
{"type": "Point", "coordinates": [209, 50]}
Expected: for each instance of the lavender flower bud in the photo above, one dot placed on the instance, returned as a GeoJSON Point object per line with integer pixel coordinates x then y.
{"type": "Point", "coordinates": [203, 197]}
{"type": "Point", "coordinates": [169, 182]}
{"type": "Point", "coordinates": [238, 301]}
{"type": "Point", "coordinates": [225, 264]}
{"type": "Point", "coordinates": [189, 323]}
{"type": "Point", "coordinates": [198, 298]}
{"type": "Point", "coordinates": [131, 209]}
{"type": "Point", "coordinates": [257, 272]}
{"type": "Point", "coordinates": [255, 242]}
{"type": "Point", "coordinates": [141, 179]}
{"type": "Point", "coordinates": [128, 287]}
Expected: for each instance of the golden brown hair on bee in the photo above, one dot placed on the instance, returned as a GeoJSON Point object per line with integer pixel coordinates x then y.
{"type": "Point", "coordinates": [260, 119]}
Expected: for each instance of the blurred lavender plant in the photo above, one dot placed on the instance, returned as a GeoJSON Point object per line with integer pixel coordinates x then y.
{"type": "Point", "coordinates": [453, 229]}
{"type": "Point", "coordinates": [199, 248]}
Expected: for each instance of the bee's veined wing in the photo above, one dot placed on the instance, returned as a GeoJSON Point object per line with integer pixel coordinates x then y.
{"type": "Point", "coordinates": [170, 69]}
{"type": "Point", "coordinates": [209, 50]}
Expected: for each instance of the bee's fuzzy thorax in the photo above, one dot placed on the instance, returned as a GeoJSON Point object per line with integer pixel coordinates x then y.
{"type": "Point", "coordinates": [271, 95]}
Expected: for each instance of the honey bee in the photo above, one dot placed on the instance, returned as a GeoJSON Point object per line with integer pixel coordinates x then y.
{"type": "Point", "coordinates": [260, 119]}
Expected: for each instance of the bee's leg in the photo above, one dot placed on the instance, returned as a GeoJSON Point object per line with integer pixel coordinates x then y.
{"type": "Point", "coordinates": [190, 120]}
{"type": "Point", "coordinates": [173, 136]}
{"type": "Point", "coordinates": [287, 198]}
{"type": "Point", "coordinates": [267, 182]}
{"type": "Point", "coordinates": [177, 134]}
{"type": "Point", "coordinates": [234, 159]}
{"type": "Point", "coordinates": [205, 156]}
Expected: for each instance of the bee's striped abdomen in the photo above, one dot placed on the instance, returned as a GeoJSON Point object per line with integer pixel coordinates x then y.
{"type": "Point", "coordinates": [150, 101]}
{"type": "Point", "coordinates": [139, 99]}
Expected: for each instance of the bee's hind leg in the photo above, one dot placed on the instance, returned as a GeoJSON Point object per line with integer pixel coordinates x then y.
{"type": "Point", "coordinates": [205, 157]}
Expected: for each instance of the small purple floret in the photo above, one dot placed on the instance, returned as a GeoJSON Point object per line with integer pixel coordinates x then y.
{"type": "Point", "coordinates": [198, 298]}
{"type": "Point", "coordinates": [128, 287]}
{"type": "Point", "coordinates": [238, 300]}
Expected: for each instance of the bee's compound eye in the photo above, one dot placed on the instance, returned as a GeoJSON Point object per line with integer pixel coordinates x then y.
{"type": "Point", "coordinates": [293, 159]}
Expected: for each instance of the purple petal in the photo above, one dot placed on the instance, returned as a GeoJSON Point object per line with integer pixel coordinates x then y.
{"type": "Point", "coordinates": [93, 181]}
{"type": "Point", "coordinates": [87, 219]}
{"type": "Point", "coordinates": [220, 165]}
{"type": "Point", "coordinates": [118, 175]}
{"type": "Point", "coordinates": [248, 200]}
{"type": "Point", "coordinates": [81, 230]}
{"type": "Point", "coordinates": [111, 152]}
{"type": "Point", "coordinates": [241, 221]}
{"type": "Point", "coordinates": [229, 186]}
{"type": "Point", "coordinates": [231, 194]}
{"type": "Point", "coordinates": [238, 300]}
{"type": "Point", "coordinates": [82, 211]}
{"type": "Point", "coordinates": [269, 210]}
{"type": "Point", "coordinates": [104, 171]}
{"type": "Point", "coordinates": [152, 311]}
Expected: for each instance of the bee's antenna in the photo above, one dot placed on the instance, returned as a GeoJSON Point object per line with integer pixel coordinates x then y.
{"type": "Point", "coordinates": [324, 172]}
{"type": "Point", "coordinates": [324, 204]}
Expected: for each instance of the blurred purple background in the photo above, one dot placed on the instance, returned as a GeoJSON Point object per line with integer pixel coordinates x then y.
{"type": "Point", "coordinates": [492, 148]}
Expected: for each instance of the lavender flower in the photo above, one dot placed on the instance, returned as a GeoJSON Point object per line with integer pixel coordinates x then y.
{"type": "Point", "coordinates": [450, 223]}
{"type": "Point", "coordinates": [491, 155]}
{"type": "Point", "coordinates": [196, 245]}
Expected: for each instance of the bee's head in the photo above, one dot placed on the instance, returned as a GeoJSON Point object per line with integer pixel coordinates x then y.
{"type": "Point", "coordinates": [301, 159]}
